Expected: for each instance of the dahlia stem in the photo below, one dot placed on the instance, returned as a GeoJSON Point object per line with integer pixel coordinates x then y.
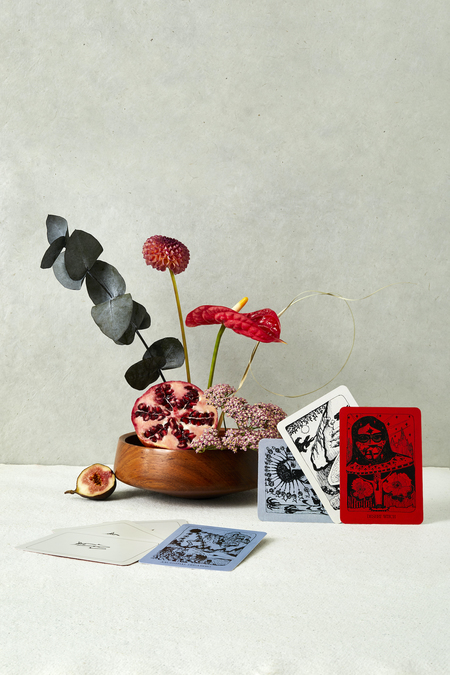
{"type": "Point", "coordinates": [180, 317]}
{"type": "Point", "coordinates": [214, 356]}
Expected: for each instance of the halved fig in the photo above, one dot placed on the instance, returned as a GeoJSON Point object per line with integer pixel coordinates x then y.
{"type": "Point", "coordinates": [96, 482]}
{"type": "Point", "coordinates": [171, 414]}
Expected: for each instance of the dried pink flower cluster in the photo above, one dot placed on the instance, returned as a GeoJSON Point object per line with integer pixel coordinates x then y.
{"type": "Point", "coordinates": [219, 394]}
{"type": "Point", "coordinates": [254, 422]}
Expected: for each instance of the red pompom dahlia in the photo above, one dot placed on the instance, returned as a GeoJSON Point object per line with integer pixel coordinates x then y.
{"type": "Point", "coordinates": [166, 253]}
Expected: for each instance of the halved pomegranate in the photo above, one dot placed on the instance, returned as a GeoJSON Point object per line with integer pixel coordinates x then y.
{"type": "Point", "coordinates": [172, 414]}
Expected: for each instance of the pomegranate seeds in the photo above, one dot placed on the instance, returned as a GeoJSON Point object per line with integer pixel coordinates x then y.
{"type": "Point", "coordinates": [172, 414]}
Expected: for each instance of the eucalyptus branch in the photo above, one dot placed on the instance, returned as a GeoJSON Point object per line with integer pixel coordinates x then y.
{"type": "Point", "coordinates": [137, 332]}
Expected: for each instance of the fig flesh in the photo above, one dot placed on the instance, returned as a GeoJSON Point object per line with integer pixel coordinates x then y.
{"type": "Point", "coordinates": [95, 482]}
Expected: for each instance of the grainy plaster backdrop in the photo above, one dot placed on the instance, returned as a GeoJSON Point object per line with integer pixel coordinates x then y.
{"type": "Point", "coordinates": [290, 145]}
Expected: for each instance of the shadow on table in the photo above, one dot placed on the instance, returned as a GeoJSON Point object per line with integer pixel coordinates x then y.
{"type": "Point", "coordinates": [435, 511]}
{"type": "Point", "coordinates": [247, 498]}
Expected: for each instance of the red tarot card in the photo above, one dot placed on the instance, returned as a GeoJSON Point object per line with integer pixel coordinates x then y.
{"type": "Point", "coordinates": [381, 465]}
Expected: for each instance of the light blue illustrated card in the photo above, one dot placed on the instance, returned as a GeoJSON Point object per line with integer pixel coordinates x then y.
{"type": "Point", "coordinates": [284, 492]}
{"type": "Point", "coordinates": [204, 547]}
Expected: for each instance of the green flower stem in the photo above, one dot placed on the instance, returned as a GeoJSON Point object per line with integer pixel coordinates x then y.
{"type": "Point", "coordinates": [180, 316]}
{"type": "Point", "coordinates": [221, 421]}
{"type": "Point", "coordinates": [214, 356]}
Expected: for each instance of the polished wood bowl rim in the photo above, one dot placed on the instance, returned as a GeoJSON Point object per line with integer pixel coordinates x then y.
{"type": "Point", "coordinates": [184, 473]}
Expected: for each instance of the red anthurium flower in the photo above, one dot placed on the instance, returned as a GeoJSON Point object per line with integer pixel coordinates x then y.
{"type": "Point", "coordinates": [263, 325]}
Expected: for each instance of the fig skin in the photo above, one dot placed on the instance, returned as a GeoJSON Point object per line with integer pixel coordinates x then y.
{"type": "Point", "coordinates": [93, 483]}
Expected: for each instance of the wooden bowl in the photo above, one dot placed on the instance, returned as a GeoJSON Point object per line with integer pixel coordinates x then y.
{"type": "Point", "coordinates": [184, 473]}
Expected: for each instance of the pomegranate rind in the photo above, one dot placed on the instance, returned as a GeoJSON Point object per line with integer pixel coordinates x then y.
{"type": "Point", "coordinates": [172, 415]}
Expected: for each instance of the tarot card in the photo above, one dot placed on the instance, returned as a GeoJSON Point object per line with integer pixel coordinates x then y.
{"type": "Point", "coordinates": [92, 547]}
{"type": "Point", "coordinates": [119, 529]}
{"type": "Point", "coordinates": [284, 492]}
{"type": "Point", "coordinates": [159, 528]}
{"type": "Point", "coordinates": [381, 466]}
{"type": "Point", "coordinates": [203, 547]}
{"type": "Point", "coordinates": [312, 435]}
{"type": "Point", "coordinates": [155, 530]}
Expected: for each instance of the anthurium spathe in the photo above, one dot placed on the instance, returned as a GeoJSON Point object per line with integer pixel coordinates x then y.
{"type": "Point", "coordinates": [262, 325]}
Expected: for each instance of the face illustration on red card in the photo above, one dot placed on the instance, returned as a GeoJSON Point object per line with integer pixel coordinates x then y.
{"type": "Point", "coordinates": [381, 465]}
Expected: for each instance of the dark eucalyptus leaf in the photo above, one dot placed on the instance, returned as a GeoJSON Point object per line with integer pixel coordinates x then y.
{"type": "Point", "coordinates": [81, 253]}
{"type": "Point", "coordinates": [53, 252]}
{"type": "Point", "coordinates": [103, 282]}
{"type": "Point", "coordinates": [59, 269]}
{"type": "Point", "coordinates": [128, 337]}
{"type": "Point", "coordinates": [170, 350]}
{"type": "Point", "coordinates": [140, 319]}
{"type": "Point", "coordinates": [113, 316]}
{"type": "Point", "coordinates": [56, 227]}
{"type": "Point", "coordinates": [141, 374]}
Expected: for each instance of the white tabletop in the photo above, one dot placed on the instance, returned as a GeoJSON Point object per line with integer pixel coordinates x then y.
{"type": "Point", "coordinates": [311, 598]}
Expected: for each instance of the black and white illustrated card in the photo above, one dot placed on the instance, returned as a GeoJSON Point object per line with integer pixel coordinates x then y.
{"type": "Point", "coordinates": [312, 435]}
{"type": "Point", "coordinates": [284, 492]}
{"type": "Point", "coordinates": [204, 547]}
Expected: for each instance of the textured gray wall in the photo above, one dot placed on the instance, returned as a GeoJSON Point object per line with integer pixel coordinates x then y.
{"type": "Point", "coordinates": [290, 145]}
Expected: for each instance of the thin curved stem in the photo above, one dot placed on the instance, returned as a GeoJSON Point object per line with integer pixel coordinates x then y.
{"type": "Point", "coordinates": [180, 317]}
{"type": "Point", "coordinates": [214, 356]}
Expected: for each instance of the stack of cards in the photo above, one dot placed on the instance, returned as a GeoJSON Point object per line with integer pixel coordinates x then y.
{"type": "Point", "coordinates": [157, 542]}
{"type": "Point", "coordinates": [116, 543]}
{"type": "Point", "coordinates": [358, 465]}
